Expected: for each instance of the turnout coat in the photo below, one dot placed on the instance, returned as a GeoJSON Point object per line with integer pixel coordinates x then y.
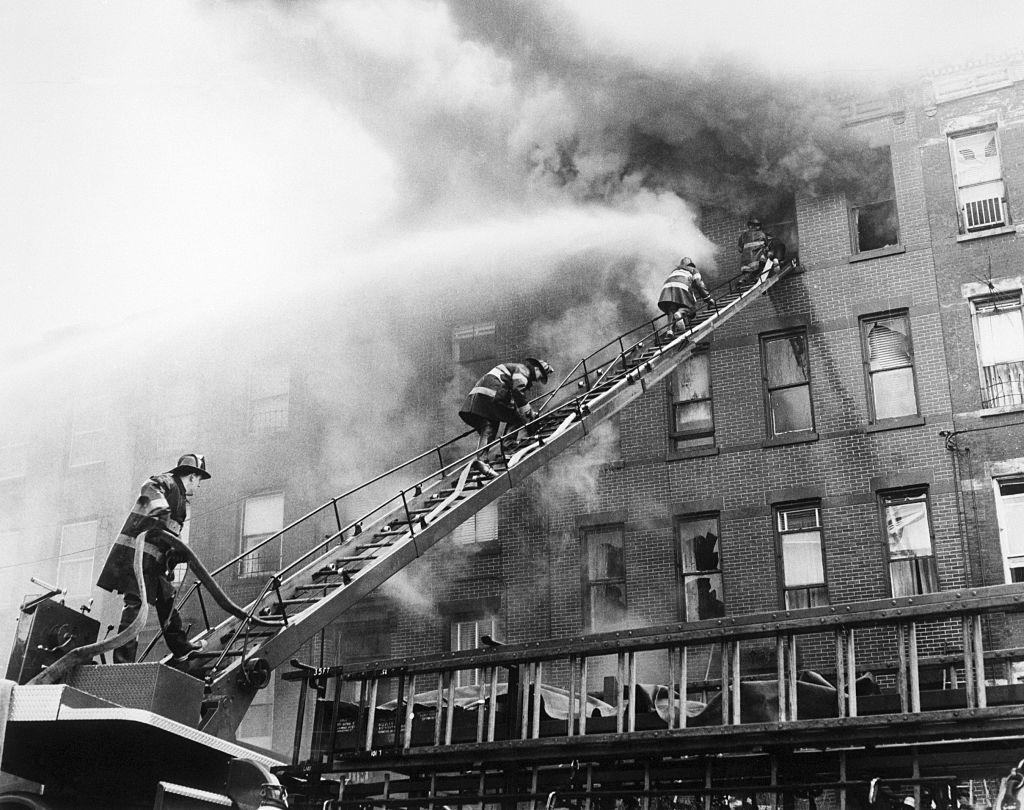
{"type": "Point", "coordinates": [679, 288]}
{"type": "Point", "coordinates": [498, 396]}
{"type": "Point", "coordinates": [161, 505]}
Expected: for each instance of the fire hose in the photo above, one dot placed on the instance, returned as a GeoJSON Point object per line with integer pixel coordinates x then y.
{"type": "Point", "coordinates": [59, 669]}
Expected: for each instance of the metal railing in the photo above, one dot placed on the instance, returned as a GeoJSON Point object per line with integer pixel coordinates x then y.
{"type": "Point", "coordinates": [590, 373]}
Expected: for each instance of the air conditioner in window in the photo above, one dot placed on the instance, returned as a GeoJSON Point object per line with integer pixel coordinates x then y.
{"type": "Point", "coordinates": [982, 214]}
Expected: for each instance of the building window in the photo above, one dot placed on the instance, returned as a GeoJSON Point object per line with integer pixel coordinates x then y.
{"type": "Point", "coordinates": [802, 551]}
{"type": "Point", "coordinates": [782, 226]}
{"type": "Point", "coordinates": [1010, 512]}
{"type": "Point", "coordinates": [268, 399]}
{"type": "Point", "coordinates": [889, 365]}
{"type": "Point", "coordinates": [257, 726]}
{"type": "Point", "coordinates": [262, 517]}
{"type": "Point", "coordinates": [693, 422]}
{"type": "Point", "coordinates": [482, 527]}
{"type": "Point", "coordinates": [697, 553]}
{"type": "Point", "coordinates": [787, 378]}
{"type": "Point", "coordinates": [474, 346]}
{"type": "Point", "coordinates": [88, 432]}
{"type": "Point", "coordinates": [604, 578]}
{"type": "Point", "coordinates": [999, 330]}
{"type": "Point", "coordinates": [466, 634]}
{"type": "Point", "coordinates": [874, 219]}
{"type": "Point", "coordinates": [978, 171]}
{"type": "Point", "coordinates": [909, 536]}
{"type": "Point", "coordinates": [78, 543]}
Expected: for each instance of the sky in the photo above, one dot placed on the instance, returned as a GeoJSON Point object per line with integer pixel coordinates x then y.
{"type": "Point", "coordinates": [167, 165]}
{"type": "Point", "coordinates": [215, 153]}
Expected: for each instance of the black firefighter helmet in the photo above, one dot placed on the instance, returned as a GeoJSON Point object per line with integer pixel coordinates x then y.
{"type": "Point", "coordinates": [541, 368]}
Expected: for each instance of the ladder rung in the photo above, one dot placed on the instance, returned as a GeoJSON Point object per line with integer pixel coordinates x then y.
{"type": "Point", "coordinates": [217, 653]}
{"type": "Point", "coordinates": [385, 544]}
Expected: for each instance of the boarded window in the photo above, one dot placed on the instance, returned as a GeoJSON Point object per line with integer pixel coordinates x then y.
{"type": "Point", "coordinates": [700, 567]}
{"type": "Point", "coordinates": [787, 377]}
{"type": "Point", "coordinates": [889, 364]}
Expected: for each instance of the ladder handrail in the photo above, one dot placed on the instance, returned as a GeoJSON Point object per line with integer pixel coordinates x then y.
{"type": "Point", "coordinates": [605, 370]}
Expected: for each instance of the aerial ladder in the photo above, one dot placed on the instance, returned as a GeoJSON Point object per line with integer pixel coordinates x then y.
{"type": "Point", "coordinates": [300, 600]}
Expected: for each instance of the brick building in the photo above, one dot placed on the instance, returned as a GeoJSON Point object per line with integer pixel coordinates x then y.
{"type": "Point", "coordinates": [856, 434]}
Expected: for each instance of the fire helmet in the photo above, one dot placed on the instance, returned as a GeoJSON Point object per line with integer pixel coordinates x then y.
{"type": "Point", "coordinates": [753, 222]}
{"type": "Point", "coordinates": [192, 463]}
{"type": "Point", "coordinates": [541, 369]}
{"type": "Point", "coordinates": [686, 261]}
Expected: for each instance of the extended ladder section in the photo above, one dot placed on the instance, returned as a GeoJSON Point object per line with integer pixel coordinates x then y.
{"type": "Point", "coordinates": [358, 557]}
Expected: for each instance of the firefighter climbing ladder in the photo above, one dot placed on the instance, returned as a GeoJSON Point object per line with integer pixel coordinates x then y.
{"type": "Point", "coordinates": [357, 557]}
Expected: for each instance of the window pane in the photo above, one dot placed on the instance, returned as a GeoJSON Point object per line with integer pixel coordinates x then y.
{"type": "Point", "coordinates": [693, 378]}
{"type": "Point", "coordinates": [1001, 336]}
{"type": "Point", "coordinates": [801, 559]}
{"type": "Point", "coordinates": [976, 158]}
{"type": "Point", "coordinates": [907, 528]}
{"type": "Point", "coordinates": [704, 597]}
{"type": "Point", "coordinates": [694, 418]}
{"type": "Point", "coordinates": [806, 598]}
{"type": "Point", "coordinates": [607, 606]}
{"type": "Point", "coordinates": [913, 576]}
{"type": "Point", "coordinates": [264, 514]}
{"type": "Point", "coordinates": [888, 344]}
{"type": "Point", "coordinates": [1012, 518]}
{"type": "Point", "coordinates": [791, 410]}
{"type": "Point", "coordinates": [894, 393]}
{"type": "Point", "coordinates": [698, 544]}
{"type": "Point", "coordinates": [786, 361]}
{"type": "Point", "coordinates": [604, 554]}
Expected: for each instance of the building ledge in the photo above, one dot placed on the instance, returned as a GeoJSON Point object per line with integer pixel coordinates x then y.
{"type": "Point", "coordinates": [692, 452]}
{"type": "Point", "coordinates": [888, 250]}
{"type": "Point", "coordinates": [894, 424]}
{"type": "Point", "coordinates": [970, 237]}
{"type": "Point", "coordinates": [803, 437]}
{"type": "Point", "coordinates": [1000, 410]}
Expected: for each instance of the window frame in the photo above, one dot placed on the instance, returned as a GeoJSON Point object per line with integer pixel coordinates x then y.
{"type": "Point", "coordinates": [768, 390]}
{"type": "Point", "coordinates": [246, 567]}
{"type": "Point", "coordinates": [855, 206]}
{"type": "Point", "coordinates": [678, 523]}
{"type": "Point", "coordinates": [675, 436]}
{"type": "Point", "coordinates": [984, 387]}
{"type": "Point", "coordinates": [1004, 204]}
{"type": "Point", "coordinates": [463, 535]}
{"type": "Point", "coordinates": [261, 420]}
{"type": "Point", "coordinates": [908, 494]}
{"type": "Point", "coordinates": [866, 323]}
{"type": "Point", "coordinates": [780, 534]}
{"type": "Point", "coordinates": [588, 582]}
{"type": "Point", "coordinates": [86, 406]}
{"type": "Point", "coordinates": [466, 677]}
{"type": "Point", "coordinates": [1003, 525]}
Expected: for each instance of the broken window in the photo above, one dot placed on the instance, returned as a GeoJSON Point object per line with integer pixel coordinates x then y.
{"type": "Point", "coordinates": [978, 172]}
{"type": "Point", "coordinates": [801, 548]}
{"type": "Point", "coordinates": [889, 365]}
{"type": "Point", "coordinates": [909, 536]}
{"type": "Point", "coordinates": [1000, 336]}
{"type": "Point", "coordinates": [787, 376]}
{"type": "Point", "coordinates": [1010, 511]}
{"type": "Point", "coordinates": [262, 517]}
{"type": "Point", "coordinates": [700, 567]}
{"type": "Point", "coordinates": [604, 578]}
{"type": "Point", "coordinates": [693, 423]}
{"type": "Point", "coordinates": [874, 219]}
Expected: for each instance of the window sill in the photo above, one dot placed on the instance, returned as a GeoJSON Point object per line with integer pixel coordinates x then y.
{"type": "Point", "coordinates": [1000, 410]}
{"type": "Point", "coordinates": [803, 437]}
{"type": "Point", "coordinates": [693, 452]}
{"type": "Point", "coordinates": [894, 424]}
{"type": "Point", "coordinates": [888, 250]}
{"type": "Point", "coordinates": [970, 237]}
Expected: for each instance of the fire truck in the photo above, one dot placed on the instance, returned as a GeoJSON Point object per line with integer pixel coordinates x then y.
{"type": "Point", "coordinates": [680, 718]}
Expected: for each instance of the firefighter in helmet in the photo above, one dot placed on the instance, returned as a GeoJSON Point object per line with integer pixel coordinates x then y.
{"type": "Point", "coordinates": [758, 250]}
{"type": "Point", "coordinates": [162, 507]}
{"type": "Point", "coordinates": [679, 293]}
{"type": "Point", "coordinates": [500, 396]}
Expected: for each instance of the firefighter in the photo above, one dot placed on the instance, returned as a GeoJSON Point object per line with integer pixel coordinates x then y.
{"type": "Point", "coordinates": [758, 250]}
{"type": "Point", "coordinates": [162, 506]}
{"type": "Point", "coordinates": [679, 293]}
{"type": "Point", "coordinates": [500, 396]}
